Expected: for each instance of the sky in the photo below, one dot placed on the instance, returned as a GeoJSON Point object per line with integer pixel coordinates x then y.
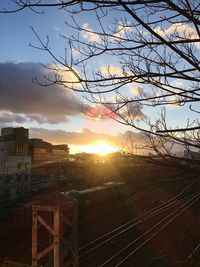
{"type": "Point", "coordinates": [52, 113]}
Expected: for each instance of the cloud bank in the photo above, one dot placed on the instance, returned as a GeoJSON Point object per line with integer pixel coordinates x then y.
{"type": "Point", "coordinates": [85, 137]}
{"type": "Point", "coordinates": [21, 100]}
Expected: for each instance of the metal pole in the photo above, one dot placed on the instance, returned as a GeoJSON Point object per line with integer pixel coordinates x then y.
{"type": "Point", "coordinates": [34, 237]}
{"type": "Point", "coordinates": [75, 235]}
{"type": "Point", "coordinates": [57, 237]}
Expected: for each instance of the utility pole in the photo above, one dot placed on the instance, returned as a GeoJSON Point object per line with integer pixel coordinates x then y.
{"type": "Point", "coordinates": [60, 220]}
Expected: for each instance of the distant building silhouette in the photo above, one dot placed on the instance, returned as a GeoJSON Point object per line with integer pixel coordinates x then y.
{"type": "Point", "coordinates": [21, 156]}
{"type": "Point", "coordinates": [40, 150]}
{"type": "Point", "coordinates": [15, 165]}
{"type": "Point", "coordinates": [16, 140]}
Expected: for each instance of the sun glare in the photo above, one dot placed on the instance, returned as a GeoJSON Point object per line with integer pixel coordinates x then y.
{"type": "Point", "coordinates": [101, 149]}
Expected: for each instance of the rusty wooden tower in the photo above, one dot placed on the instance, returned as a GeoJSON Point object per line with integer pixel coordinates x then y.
{"type": "Point", "coordinates": [55, 232]}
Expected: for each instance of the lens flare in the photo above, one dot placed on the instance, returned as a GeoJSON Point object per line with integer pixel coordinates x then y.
{"type": "Point", "coordinates": [100, 149]}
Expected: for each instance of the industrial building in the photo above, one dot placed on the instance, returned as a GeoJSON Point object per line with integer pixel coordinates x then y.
{"type": "Point", "coordinates": [20, 157]}
{"type": "Point", "coordinates": [40, 150]}
{"type": "Point", "coordinates": [16, 140]}
{"type": "Point", "coordinates": [15, 165]}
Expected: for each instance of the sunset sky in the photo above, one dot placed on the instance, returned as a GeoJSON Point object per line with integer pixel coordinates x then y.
{"type": "Point", "coordinates": [52, 113]}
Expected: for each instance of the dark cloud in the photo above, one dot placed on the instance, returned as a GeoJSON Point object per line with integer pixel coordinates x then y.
{"type": "Point", "coordinates": [21, 99]}
{"type": "Point", "coordinates": [7, 117]}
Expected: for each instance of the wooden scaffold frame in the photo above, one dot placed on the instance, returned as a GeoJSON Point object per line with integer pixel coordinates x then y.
{"type": "Point", "coordinates": [60, 248]}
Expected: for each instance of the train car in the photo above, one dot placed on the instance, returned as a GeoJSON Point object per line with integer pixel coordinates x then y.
{"type": "Point", "coordinates": [99, 198]}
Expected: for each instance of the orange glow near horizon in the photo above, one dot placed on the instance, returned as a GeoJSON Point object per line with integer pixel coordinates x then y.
{"type": "Point", "coordinates": [100, 148]}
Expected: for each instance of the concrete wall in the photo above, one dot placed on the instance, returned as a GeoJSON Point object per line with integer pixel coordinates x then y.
{"type": "Point", "coordinates": [15, 176]}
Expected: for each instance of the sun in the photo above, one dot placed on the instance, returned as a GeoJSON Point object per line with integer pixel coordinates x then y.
{"type": "Point", "coordinates": [101, 149]}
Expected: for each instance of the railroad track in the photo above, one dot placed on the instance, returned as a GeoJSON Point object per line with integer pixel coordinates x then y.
{"type": "Point", "coordinates": [165, 213]}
